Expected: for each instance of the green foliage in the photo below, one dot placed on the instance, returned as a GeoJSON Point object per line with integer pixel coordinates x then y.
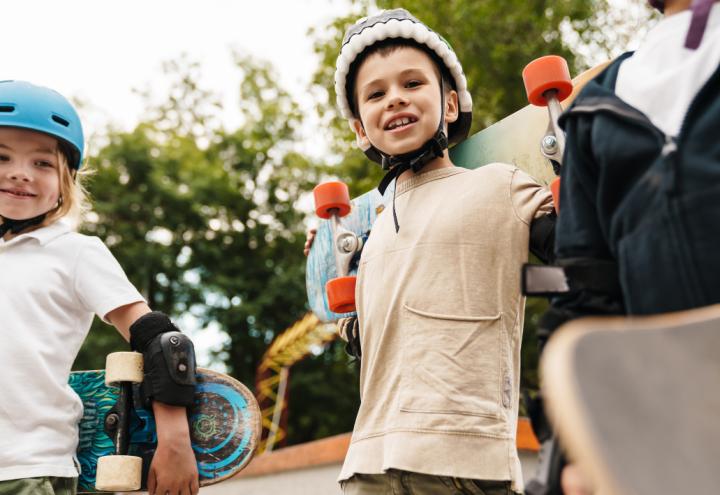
{"type": "Point", "coordinates": [204, 219]}
{"type": "Point", "coordinates": [320, 411]}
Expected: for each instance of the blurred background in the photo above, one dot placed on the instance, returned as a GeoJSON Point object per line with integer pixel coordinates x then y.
{"type": "Point", "coordinates": [208, 125]}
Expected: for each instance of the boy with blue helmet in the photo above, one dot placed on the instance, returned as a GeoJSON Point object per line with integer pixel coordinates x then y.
{"type": "Point", "coordinates": [440, 314]}
{"type": "Point", "coordinates": [54, 281]}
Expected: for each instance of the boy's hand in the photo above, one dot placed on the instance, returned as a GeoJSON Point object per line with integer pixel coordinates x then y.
{"type": "Point", "coordinates": [574, 481]}
{"type": "Point", "coordinates": [309, 238]}
{"type": "Point", "coordinates": [173, 468]}
{"type": "Point", "coordinates": [349, 330]}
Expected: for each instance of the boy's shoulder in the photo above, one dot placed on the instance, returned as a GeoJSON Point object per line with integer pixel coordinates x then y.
{"type": "Point", "coordinates": [496, 172]}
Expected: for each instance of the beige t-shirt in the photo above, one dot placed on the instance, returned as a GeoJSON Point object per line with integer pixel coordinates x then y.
{"type": "Point", "coordinates": [441, 318]}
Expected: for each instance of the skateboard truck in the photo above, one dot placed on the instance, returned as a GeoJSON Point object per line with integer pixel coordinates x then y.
{"type": "Point", "coordinates": [332, 201]}
{"type": "Point", "coordinates": [121, 472]}
{"type": "Point", "coordinates": [547, 83]}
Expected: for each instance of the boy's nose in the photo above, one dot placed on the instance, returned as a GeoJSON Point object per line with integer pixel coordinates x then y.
{"type": "Point", "coordinates": [397, 99]}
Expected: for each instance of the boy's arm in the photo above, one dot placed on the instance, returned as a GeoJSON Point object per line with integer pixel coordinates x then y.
{"type": "Point", "coordinates": [542, 237]}
{"type": "Point", "coordinates": [348, 328]}
{"type": "Point", "coordinates": [173, 468]}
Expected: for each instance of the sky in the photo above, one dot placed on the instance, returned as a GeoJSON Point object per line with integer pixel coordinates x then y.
{"type": "Point", "coordinates": [98, 51]}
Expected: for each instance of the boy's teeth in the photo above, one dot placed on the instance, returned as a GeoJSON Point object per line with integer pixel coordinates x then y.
{"type": "Point", "coordinates": [399, 122]}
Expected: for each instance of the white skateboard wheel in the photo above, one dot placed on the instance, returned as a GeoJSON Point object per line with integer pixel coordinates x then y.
{"type": "Point", "coordinates": [118, 473]}
{"type": "Point", "coordinates": [123, 367]}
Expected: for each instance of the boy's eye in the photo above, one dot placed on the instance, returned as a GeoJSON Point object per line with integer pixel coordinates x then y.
{"type": "Point", "coordinates": [374, 94]}
{"type": "Point", "coordinates": [413, 84]}
{"type": "Point", "coordinates": [44, 164]}
{"type": "Point", "coordinates": [4, 158]}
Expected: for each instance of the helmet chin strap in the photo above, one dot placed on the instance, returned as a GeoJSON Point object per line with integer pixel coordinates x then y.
{"type": "Point", "coordinates": [19, 226]}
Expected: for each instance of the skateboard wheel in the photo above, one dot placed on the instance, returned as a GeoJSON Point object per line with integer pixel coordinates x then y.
{"type": "Point", "coordinates": [341, 294]}
{"type": "Point", "coordinates": [555, 190]}
{"type": "Point", "coordinates": [123, 367]}
{"type": "Point", "coordinates": [543, 74]}
{"type": "Point", "coordinates": [331, 196]}
{"type": "Point", "coordinates": [118, 473]}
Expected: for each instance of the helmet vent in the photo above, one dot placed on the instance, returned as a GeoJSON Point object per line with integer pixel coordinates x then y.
{"type": "Point", "coordinates": [7, 108]}
{"type": "Point", "coordinates": [61, 121]}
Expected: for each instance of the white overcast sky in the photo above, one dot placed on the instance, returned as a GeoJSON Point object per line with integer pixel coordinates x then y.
{"type": "Point", "coordinates": [99, 50]}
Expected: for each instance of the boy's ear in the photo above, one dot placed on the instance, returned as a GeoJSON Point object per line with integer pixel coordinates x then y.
{"type": "Point", "coordinates": [452, 111]}
{"type": "Point", "coordinates": [362, 140]}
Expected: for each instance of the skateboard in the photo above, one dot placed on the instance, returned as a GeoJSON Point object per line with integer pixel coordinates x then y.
{"type": "Point", "coordinates": [635, 402]}
{"type": "Point", "coordinates": [224, 429]}
{"type": "Point", "coordinates": [529, 139]}
{"type": "Point", "coordinates": [324, 266]}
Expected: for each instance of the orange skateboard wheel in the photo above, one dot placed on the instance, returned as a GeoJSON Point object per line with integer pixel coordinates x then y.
{"type": "Point", "coordinates": [341, 294]}
{"type": "Point", "coordinates": [331, 196]}
{"type": "Point", "coordinates": [555, 190]}
{"type": "Point", "coordinates": [546, 73]}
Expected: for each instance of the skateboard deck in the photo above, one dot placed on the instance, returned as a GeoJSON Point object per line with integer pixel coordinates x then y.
{"type": "Point", "coordinates": [514, 140]}
{"type": "Point", "coordinates": [635, 400]}
{"type": "Point", "coordinates": [224, 426]}
{"type": "Point", "coordinates": [321, 260]}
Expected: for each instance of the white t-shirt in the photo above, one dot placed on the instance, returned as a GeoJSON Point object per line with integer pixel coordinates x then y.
{"type": "Point", "coordinates": [52, 282]}
{"type": "Point", "coordinates": [662, 77]}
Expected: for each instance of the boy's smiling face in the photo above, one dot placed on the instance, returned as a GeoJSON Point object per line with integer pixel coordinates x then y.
{"type": "Point", "coordinates": [398, 100]}
{"type": "Point", "coordinates": [29, 178]}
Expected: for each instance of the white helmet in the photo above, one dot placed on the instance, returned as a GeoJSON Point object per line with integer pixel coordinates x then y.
{"type": "Point", "coordinates": [400, 24]}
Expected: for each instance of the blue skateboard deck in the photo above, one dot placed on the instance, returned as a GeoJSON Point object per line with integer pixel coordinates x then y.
{"type": "Point", "coordinates": [224, 426]}
{"type": "Point", "coordinates": [321, 260]}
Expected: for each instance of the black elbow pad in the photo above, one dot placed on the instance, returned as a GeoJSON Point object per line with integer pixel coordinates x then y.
{"type": "Point", "coordinates": [169, 360]}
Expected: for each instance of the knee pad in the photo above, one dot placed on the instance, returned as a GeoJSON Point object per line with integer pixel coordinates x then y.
{"type": "Point", "coordinates": [169, 360]}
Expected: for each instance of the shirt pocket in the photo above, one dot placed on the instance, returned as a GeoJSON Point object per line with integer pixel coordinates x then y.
{"type": "Point", "coordinates": [453, 364]}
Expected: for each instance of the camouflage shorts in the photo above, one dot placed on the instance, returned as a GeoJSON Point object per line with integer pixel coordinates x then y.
{"type": "Point", "coordinates": [39, 486]}
{"type": "Point", "coordinates": [408, 483]}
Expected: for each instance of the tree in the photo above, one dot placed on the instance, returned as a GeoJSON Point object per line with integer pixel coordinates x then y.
{"type": "Point", "coordinates": [205, 221]}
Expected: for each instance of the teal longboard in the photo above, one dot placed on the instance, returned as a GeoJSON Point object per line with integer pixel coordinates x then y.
{"type": "Point", "coordinates": [224, 426]}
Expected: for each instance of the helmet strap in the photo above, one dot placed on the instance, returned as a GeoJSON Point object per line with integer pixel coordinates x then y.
{"type": "Point", "coordinates": [18, 226]}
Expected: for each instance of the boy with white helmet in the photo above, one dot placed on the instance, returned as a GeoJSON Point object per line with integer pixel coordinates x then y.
{"type": "Point", "coordinates": [438, 292]}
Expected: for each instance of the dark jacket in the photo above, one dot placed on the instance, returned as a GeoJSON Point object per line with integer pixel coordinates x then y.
{"type": "Point", "coordinates": [647, 201]}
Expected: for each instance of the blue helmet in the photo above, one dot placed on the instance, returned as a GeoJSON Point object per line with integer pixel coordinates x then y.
{"type": "Point", "coordinates": [37, 108]}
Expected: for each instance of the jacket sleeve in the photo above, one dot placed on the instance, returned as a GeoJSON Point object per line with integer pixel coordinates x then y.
{"type": "Point", "coordinates": [580, 238]}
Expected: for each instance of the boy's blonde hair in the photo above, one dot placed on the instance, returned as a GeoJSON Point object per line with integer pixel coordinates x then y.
{"type": "Point", "coordinates": [74, 200]}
